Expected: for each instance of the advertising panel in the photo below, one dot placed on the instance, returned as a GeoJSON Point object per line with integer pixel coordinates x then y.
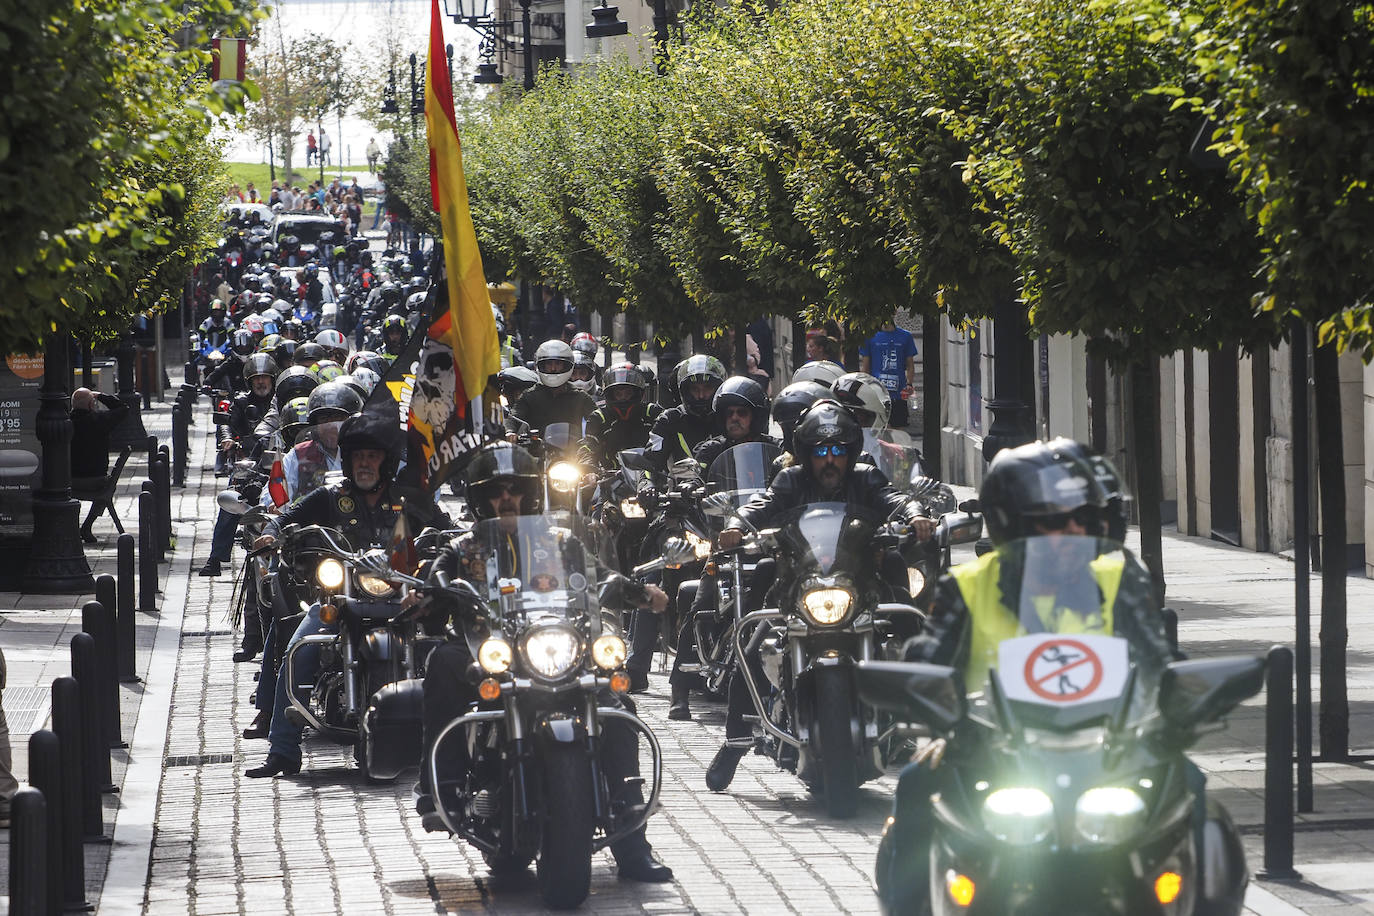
{"type": "Point", "coordinates": [20, 465]}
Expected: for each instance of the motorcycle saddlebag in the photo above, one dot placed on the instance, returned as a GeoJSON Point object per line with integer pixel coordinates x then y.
{"type": "Point", "coordinates": [392, 727]}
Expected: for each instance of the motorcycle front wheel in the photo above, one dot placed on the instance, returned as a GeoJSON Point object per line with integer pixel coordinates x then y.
{"type": "Point", "coordinates": [839, 763]}
{"type": "Point", "coordinates": [565, 849]}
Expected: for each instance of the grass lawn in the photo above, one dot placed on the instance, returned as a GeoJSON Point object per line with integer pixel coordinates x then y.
{"type": "Point", "coordinates": [241, 173]}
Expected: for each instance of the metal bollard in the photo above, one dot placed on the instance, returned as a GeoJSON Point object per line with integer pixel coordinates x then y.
{"type": "Point", "coordinates": [66, 721]}
{"type": "Point", "coordinates": [151, 447]}
{"type": "Point", "coordinates": [28, 853]}
{"type": "Point", "coordinates": [95, 757]}
{"type": "Point", "coordinates": [1171, 627]}
{"type": "Point", "coordinates": [45, 775]}
{"type": "Point", "coordinates": [164, 495]}
{"type": "Point", "coordinates": [125, 630]}
{"type": "Point", "coordinates": [147, 560]}
{"type": "Point", "coordinates": [98, 620]}
{"type": "Point", "coordinates": [1278, 767]}
{"type": "Point", "coordinates": [191, 373]}
{"type": "Point", "coordinates": [178, 465]}
{"type": "Point", "coordinates": [154, 515]}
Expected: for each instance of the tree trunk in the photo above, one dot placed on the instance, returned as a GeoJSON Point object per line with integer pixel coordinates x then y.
{"type": "Point", "coordinates": [932, 395]}
{"type": "Point", "coordinates": [1334, 716]}
{"type": "Point", "coordinates": [1144, 376]}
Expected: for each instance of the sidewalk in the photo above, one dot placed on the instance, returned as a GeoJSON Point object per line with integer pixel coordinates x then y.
{"type": "Point", "coordinates": [192, 835]}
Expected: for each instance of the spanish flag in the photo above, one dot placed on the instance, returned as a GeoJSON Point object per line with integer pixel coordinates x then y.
{"type": "Point", "coordinates": [468, 326]}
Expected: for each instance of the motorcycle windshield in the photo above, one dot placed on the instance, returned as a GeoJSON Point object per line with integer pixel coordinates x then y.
{"type": "Point", "coordinates": [742, 470]}
{"type": "Point", "coordinates": [900, 462]}
{"type": "Point", "coordinates": [561, 436]}
{"type": "Point", "coordinates": [540, 562]}
{"type": "Point", "coordinates": [1056, 646]}
{"type": "Point", "coordinates": [823, 538]}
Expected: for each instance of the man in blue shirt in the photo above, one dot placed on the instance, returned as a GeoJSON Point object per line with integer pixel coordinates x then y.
{"type": "Point", "coordinates": [890, 355]}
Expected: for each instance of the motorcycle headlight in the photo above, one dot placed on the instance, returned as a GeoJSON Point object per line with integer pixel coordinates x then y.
{"type": "Point", "coordinates": [564, 476]}
{"type": "Point", "coordinates": [377, 588]}
{"type": "Point", "coordinates": [630, 508]}
{"type": "Point", "coordinates": [1109, 814]}
{"type": "Point", "coordinates": [1020, 816]}
{"type": "Point", "coordinates": [330, 574]}
{"type": "Point", "coordinates": [494, 656]}
{"type": "Point", "coordinates": [551, 651]}
{"type": "Point", "coordinates": [700, 545]}
{"type": "Point", "coordinates": [916, 581]}
{"type": "Point", "coordinates": [827, 606]}
{"type": "Point", "coordinates": [608, 651]}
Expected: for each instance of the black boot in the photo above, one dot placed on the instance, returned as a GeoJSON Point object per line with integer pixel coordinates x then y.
{"type": "Point", "coordinates": [680, 709]}
{"type": "Point", "coordinates": [211, 568]}
{"type": "Point", "coordinates": [721, 772]}
{"type": "Point", "coordinates": [641, 865]}
{"type": "Point", "coordinates": [274, 765]}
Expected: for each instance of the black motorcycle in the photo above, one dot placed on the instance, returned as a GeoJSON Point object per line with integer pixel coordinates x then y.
{"type": "Point", "coordinates": [833, 614]}
{"type": "Point", "coordinates": [367, 689]}
{"type": "Point", "coordinates": [1066, 788]}
{"type": "Point", "coordinates": [547, 657]}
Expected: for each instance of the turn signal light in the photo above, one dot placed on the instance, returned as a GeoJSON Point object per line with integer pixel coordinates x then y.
{"type": "Point", "coordinates": [489, 689]}
{"type": "Point", "coordinates": [620, 682]}
{"type": "Point", "coordinates": [1168, 886]}
{"type": "Point", "coordinates": [960, 888]}
{"type": "Point", "coordinates": [329, 613]}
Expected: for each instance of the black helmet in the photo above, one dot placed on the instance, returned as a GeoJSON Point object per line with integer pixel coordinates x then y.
{"type": "Point", "coordinates": [366, 431]}
{"type": "Point", "coordinates": [307, 354]}
{"type": "Point", "coordinates": [1117, 512]}
{"type": "Point", "coordinates": [827, 423]}
{"type": "Point", "coordinates": [699, 369]}
{"type": "Point", "coordinates": [792, 402]}
{"type": "Point", "coordinates": [259, 364]}
{"type": "Point", "coordinates": [624, 387]}
{"type": "Point", "coordinates": [741, 391]}
{"type": "Point", "coordinates": [501, 462]}
{"type": "Point", "coordinates": [283, 354]}
{"type": "Point", "coordinates": [333, 401]}
{"type": "Point", "coordinates": [243, 343]}
{"type": "Point", "coordinates": [515, 381]}
{"type": "Point", "coordinates": [1040, 482]}
{"type": "Point", "coordinates": [393, 322]}
{"type": "Point", "coordinates": [295, 382]}
{"type": "Point", "coordinates": [292, 419]}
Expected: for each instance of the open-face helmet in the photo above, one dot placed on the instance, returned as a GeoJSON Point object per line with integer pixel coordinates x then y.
{"type": "Point", "coordinates": [501, 464]}
{"type": "Point", "coordinates": [866, 396]}
{"type": "Point", "coordinates": [827, 423]}
{"type": "Point", "coordinates": [821, 370]}
{"type": "Point", "coordinates": [741, 391]}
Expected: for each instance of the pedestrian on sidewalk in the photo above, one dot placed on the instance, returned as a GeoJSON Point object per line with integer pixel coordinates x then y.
{"type": "Point", "coordinates": [374, 152]}
{"type": "Point", "coordinates": [8, 784]}
{"type": "Point", "coordinates": [891, 356]}
{"type": "Point", "coordinates": [324, 148]}
{"type": "Point", "coordinates": [311, 150]}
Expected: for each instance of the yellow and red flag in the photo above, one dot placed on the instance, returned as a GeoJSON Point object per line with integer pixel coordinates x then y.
{"type": "Point", "coordinates": [467, 326]}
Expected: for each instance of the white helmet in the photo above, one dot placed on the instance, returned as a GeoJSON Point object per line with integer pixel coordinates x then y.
{"type": "Point", "coordinates": [332, 339]}
{"type": "Point", "coordinates": [866, 397]}
{"type": "Point", "coordinates": [553, 363]}
{"type": "Point", "coordinates": [584, 373]}
{"type": "Point", "coordinates": [821, 370]}
{"type": "Point", "coordinates": [366, 377]}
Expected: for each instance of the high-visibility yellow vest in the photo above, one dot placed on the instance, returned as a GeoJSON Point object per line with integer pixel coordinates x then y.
{"type": "Point", "coordinates": [991, 621]}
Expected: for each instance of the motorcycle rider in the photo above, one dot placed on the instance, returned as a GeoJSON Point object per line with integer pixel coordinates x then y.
{"type": "Point", "coordinates": [1035, 489]}
{"type": "Point", "coordinates": [827, 442]}
{"type": "Point", "coordinates": [503, 482]}
{"type": "Point", "coordinates": [553, 400]}
{"type": "Point", "coordinates": [309, 461]}
{"type": "Point", "coordinates": [623, 421]}
{"type": "Point", "coordinates": [741, 411]}
{"type": "Point", "coordinates": [246, 411]}
{"type": "Point", "coordinates": [362, 507]}
{"type": "Point", "coordinates": [216, 330]}
{"type": "Point", "coordinates": [394, 334]}
{"type": "Point", "coordinates": [676, 432]}
{"type": "Point", "coordinates": [228, 375]}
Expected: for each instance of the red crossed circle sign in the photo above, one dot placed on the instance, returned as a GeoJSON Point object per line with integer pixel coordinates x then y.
{"type": "Point", "coordinates": [1063, 670]}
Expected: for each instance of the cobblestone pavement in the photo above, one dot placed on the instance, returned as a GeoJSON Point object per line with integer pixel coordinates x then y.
{"type": "Point", "coordinates": [194, 836]}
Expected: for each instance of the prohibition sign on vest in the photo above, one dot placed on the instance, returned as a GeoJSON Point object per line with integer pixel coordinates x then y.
{"type": "Point", "coordinates": [1063, 670]}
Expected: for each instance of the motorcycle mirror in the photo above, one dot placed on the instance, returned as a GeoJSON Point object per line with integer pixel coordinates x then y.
{"type": "Point", "coordinates": [1205, 689]}
{"type": "Point", "coordinates": [231, 502]}
{"type": "Point", "coordinates": [970, 505]}
{"type": "Point", "coordinates": [718, 505]}
{"type": "Point", "coordinates": [958, 528]}
{"type": "Point", "coordinates": [931, 694]}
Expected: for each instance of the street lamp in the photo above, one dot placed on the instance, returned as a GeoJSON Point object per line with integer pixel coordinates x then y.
{"type": "Point", "coordinates": [606, 22]}
{"type": "Point", "coordinates": [493, 36]}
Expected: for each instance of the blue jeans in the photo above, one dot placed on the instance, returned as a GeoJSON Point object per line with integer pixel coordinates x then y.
{"type": "Point", "coordinates": [284, 737]}
{"type": "Point", "coordinates": [222, 541]}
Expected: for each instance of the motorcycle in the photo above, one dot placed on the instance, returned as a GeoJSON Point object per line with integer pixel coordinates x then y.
{"type": "Point", "coordinates": [801, 656]}
{"type": "Point", "coordinates": [734, 477]}
{"type": "Point", "coordinates": [535, 787]}
{"type": "Point", "coordinates": [367, 691]}
{"type": "Point", "coordinates": [1067, 788]}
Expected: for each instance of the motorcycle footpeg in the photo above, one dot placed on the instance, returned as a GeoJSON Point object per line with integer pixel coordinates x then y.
{"type": "Point", "coordinates": [752, 720]}
{"type": "Point", "coordinates": [689, 668]}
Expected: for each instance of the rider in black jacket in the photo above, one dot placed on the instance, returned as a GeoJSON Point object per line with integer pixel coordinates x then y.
{"type": "Point", "coordinates": [827, 442]}
{"type": "Point", "coordinates": [503, 482]}
{"type": "Point", "coordinates": [624, 422]}
{"type": "Point", "coordinates": [553, 400]}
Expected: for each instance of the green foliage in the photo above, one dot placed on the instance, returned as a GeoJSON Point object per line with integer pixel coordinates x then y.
{"type": "Point", "coordinates": [94, 152]}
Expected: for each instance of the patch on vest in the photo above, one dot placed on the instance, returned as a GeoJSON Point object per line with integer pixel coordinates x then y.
{"type": "Point", "coordinates": [346, 504]}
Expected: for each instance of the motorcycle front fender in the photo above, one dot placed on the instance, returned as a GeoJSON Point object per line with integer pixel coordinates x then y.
{"type": "Point", "coordinates": [560, 729]}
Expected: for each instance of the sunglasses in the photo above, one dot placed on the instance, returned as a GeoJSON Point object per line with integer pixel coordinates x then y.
{"type": "Point", "coordinates": [739, 412]}
{"type": "Point", "coordinates": [1084, 516]}
{"type": "Point", "coordinates": [839, 451]}
{"type": "Point", "coordinates": [506, 489]}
